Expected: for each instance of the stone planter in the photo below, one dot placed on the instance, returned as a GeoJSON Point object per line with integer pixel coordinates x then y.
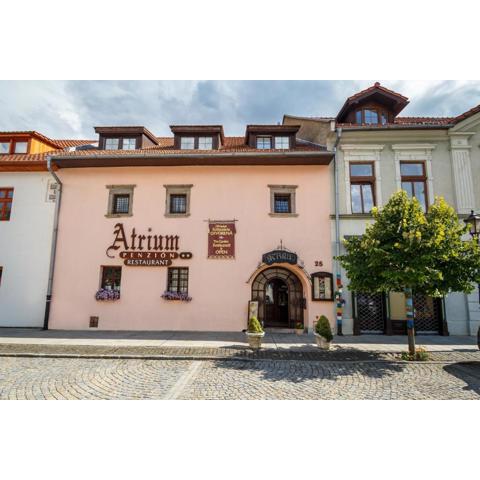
{"type": "Point", "coordinates": [255, 339]}
{"type": "Point", "coordinates": [322, 343]}
{"type": "Point", "coordinates": [299, 331]}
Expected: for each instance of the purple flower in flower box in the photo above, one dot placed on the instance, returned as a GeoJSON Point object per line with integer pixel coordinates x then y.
{"type": "Point", "coordinates": [105, 295]}
{"type": "Point", "coordinates": [176, 296]}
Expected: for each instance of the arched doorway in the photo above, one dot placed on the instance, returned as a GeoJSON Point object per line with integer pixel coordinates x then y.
{"type": "Point", "coordinates": [279, 294]}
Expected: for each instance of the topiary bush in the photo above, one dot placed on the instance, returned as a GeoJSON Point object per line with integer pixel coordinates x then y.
{"type": "Point", "coordinates": [322, 328]}
{"type": "Point", "coordinates": [254, 326]}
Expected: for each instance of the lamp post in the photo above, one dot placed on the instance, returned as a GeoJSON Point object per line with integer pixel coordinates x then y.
{"type": "Point", "coordinates": [473, 223]}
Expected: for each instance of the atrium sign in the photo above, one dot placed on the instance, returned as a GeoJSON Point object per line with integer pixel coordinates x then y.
{"type": "Point", "coordinates": [279, 256]}
{"type": "Point", "coordinates": [138, 250]}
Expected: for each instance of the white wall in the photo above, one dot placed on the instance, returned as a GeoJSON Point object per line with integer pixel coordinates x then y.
{"type": "Point", "coordinates": [382, 148]}
{"type": "Point", "coordinates": [25, 242]}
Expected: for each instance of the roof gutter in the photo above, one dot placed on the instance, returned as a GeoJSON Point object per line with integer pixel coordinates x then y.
{"type": "Point", "coordinates": [53, 251]}
{"type": "Point", "coordinates": [198, 155]}
{"type": "Point", "coordinates": [400, 127]}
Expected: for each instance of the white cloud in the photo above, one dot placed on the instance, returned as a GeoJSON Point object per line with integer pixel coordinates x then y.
{"type": "Point", "coordinates": [70, 109]}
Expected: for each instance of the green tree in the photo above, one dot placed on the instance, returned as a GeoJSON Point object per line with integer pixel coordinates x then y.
{"type": "Point", "coordinates": [407, 250]}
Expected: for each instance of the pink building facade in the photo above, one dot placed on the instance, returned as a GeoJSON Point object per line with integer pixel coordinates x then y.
{"type": "Point", "coordinates": [163, 237]}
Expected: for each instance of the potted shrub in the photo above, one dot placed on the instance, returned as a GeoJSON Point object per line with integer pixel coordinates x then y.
{"type": "Point", "coordinates": [299, 328]}
{"type": "Point", "coordinates": [254, 333]}
{"type": "Point", "coordinates": [323, 333]}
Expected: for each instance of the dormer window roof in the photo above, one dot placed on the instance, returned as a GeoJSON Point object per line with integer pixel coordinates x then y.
{"type": "Point", "coordinates": [271, 137]}
{"type": "Point", "coordinates": [375, 105]}
{"type": "Point", "coordinates": [125, 138]}
{"type": "Point", "coordinates": [198, 137]}
{"type": "Point", "coordinates": [22, 142]}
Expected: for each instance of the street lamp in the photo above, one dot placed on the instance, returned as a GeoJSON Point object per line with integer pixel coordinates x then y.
{"type": "Point", "coordinates": [473, 223]}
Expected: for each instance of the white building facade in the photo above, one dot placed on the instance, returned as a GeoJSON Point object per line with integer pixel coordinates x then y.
{"type": "Point", "coordinates": [27, 207]}
{"type": "Point", "coordinates": [25, 246]}
{"type": "Point", "coordinates": [379, 153]}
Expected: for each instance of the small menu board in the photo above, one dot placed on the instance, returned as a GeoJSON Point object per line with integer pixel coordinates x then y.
{"type": "Point", "coordinates": [221, 240]}
{"type": "Point", "coordinates": [322, 286]}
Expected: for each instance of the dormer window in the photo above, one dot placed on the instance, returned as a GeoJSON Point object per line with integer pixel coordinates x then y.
{"type": "Point", "coordinates": [4, 148]}
{"type": "Point", "coordinates": [375, 105]}
{"type": "Point", "coordinates": [282, 143]}
{"type": "Point", "coordinates": [111, 143]}
{"type": "Point", "coordinates": [125, 138]}
{"type": "Point", "coordinates": [205, 143]}
{"type": "Point", "coordinates": [271, 137]}
{"type": "Point", "coordinates": [129, 143]}
{"type": "Point", "coordinates": [197, 137]}
{"type": "Point", "coordinates": [264, 143]}
{"type": "Point", "coordinates": [21, 147]}
{"type": "Point", "coordinates": [187, 143]}
{"type": "Point", "coordinates": [371, 116]}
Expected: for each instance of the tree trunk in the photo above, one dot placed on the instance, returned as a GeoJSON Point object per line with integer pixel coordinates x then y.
{"type": "Point", "coordinates": [410, 320]}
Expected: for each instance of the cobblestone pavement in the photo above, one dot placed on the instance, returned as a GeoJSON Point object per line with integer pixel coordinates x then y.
{"type": "Point", "coordinates": [83, 378]}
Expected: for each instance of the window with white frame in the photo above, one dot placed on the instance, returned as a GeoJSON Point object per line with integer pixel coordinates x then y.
{"type": "Point", "coordinates": [21, 147]}
{"type": "Point", "coordinates": [4, 147]}
{"type": "Point", "coordinates": [264, 143]}
{"type": "Point", "coordinates": [111, 143]}
{"type": "Point", "coordinates": [205, 143]}
{"type": "Point", "coordinates": [282, 143]}
{"type": "Point", "coordinates": [129, 143]}
{"type": "Point", "coordinates": [187, 143]}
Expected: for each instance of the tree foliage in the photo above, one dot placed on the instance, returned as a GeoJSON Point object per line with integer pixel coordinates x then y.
{"type": "Point", "coordinates": [406, 248]}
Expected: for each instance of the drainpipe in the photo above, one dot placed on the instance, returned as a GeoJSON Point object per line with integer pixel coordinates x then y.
{"type": "Point", "coordinates": [54, 243]}
{"type": "Point", "coordinates": [338, 274]}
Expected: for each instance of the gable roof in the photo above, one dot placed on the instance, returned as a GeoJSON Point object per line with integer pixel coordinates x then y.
{"type": "Point", "coordinates": [396, 101]}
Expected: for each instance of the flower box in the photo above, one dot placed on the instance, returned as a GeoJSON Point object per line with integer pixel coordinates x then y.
{"type": "Point", "coordinates": [183, 297]}
{"type": "Point", "coordinates": [107, 295]}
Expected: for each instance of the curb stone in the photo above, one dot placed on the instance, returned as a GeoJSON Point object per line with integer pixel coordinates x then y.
{"type": "Point", "coordinates": [248, 357]}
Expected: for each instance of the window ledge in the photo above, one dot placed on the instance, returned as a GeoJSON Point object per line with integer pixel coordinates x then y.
{"type": "Point", "coordinates": [354, 215]}
{"type": "Point", "coordinates": [177, 215]}
{"type": "Point", "coordinates": [118, 215]}
{"type": "Point", "coordinates": [283, 214]}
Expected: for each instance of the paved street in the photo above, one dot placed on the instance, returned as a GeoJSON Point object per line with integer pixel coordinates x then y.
{"type": "Point", "coordinates": [84, 378]}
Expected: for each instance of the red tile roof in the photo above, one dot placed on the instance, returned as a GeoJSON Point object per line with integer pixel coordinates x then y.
{"type": "Point", "coordinates": [467, 114]}
{"type": "Point", "coordinates": [231, 145]}
{"type": "Point", "coordinates": [74, 143]}
{"type": "Point", "coordinates": [424, 120]}
{"type": "Point", "coordinates": [376, 86]}
{"type": "Point", "coordinates": [165, 147]}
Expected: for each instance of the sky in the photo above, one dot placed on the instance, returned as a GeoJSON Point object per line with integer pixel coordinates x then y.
{"type": "Point", "coordinates": [70, 109]}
